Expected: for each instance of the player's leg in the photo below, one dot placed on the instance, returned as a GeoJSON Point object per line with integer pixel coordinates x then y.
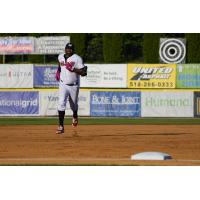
{"type": "Point", "coordinates": [75, 112]}
{"type": "Point", "coordinates": [73, 101]}
{"type": "Point", "coordinates": [63, 93]}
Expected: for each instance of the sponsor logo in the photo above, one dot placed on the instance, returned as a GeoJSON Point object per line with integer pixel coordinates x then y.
{"type": "Point", "coordinates": [18, 74]}
{"type": "Point", "coordinates": [49, 74]}
{"type": "Point", "coordinates": [167, 102]}
{"type": "Point", "coordinates": [115, 100]}
{"type": "Point", "coordinates": [52, 98]}
{"type": "Point", "coordinates": [11, 41]}
{"type": "Point", "coordinates": [146, 73]}
{"type": "Point", "coordinates": [94, 75]}
{"type": "Point", "coordinates": [19, 103]}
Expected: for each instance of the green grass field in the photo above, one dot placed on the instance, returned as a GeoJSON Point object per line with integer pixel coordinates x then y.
{"type": "Point", "coordinates": [96, 121]}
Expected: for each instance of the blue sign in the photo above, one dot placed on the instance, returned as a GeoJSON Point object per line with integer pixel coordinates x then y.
{"type": "Point", "coordinates": [116, 104]}
{"type": "Point", "coordinates": [19, 103]}
{"type": "Point", "coordinates": [44, 76]}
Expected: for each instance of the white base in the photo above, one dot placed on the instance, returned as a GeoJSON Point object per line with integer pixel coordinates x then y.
{"type": "Point", "coordinates": [151, 156]}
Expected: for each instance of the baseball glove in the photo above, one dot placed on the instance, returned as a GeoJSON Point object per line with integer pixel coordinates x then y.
{"type": "Point", "coordinates": [84, 71]}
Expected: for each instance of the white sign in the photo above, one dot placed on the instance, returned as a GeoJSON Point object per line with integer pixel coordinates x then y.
{"type": "Point", "coordinates": [49, 103]}
{"type": "Point", "coordinates": [51, 45]}
{"type": "Point", "coordinates": [105, 76]}
{"type": "Point", "coordinates": [16, 76]}
{"type": "Point", "coordinates": [167, 104]}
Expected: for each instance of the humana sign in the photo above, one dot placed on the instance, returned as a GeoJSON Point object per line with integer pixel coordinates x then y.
{"type": "Point", "coordinates": [167, 102]}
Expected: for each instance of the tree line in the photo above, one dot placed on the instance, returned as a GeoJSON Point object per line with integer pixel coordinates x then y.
{"type": "Point", "coordinates": [112, 47]}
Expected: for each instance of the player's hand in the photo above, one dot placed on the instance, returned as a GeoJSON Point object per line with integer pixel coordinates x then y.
{"type": "Point", "coordinates": [70, 66]}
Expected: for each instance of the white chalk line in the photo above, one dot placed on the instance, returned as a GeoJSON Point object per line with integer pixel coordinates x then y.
{"type": "Point", "coordinates": [90, 159]}
{"type": "Point", "coordinates": [64, 158]}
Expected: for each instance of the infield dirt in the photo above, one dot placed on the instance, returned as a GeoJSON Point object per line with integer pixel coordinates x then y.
{"type": "Point", "coordinates": [98, 145]}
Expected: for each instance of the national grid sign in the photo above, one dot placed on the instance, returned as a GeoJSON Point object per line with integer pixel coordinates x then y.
{"type": "Point", "coordinates": [19, 103]}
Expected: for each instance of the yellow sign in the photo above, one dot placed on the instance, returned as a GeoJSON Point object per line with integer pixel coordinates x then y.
{"type": "Point", "coordinates": [151, 75]}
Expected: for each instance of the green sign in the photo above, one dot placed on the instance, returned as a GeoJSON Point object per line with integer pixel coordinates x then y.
{"type": "Point", "coordinates": [188, 76]}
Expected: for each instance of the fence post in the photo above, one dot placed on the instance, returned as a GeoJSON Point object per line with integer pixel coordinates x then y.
{"type": "Point", "coordinates": [3, 58]}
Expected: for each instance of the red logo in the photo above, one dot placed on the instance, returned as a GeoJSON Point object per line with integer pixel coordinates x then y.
{"type": "Point", "coordinates": [70, 64]}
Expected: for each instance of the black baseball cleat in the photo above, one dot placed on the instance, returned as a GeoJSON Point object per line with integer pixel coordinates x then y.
{"type": "Point", "coordinates": [60, 130]}
{"type": "Point", "coordinates": [74, 122]}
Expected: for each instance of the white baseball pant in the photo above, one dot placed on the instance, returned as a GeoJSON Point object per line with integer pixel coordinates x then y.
{"type": "Point", "coordinates": [68, 92]}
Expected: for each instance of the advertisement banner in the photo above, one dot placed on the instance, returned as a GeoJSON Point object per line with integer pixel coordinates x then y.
{"type": "Point", "coordinates": [188, 76]}
{"type": "Point", "coordinates": [167, 104]}
{"type": "Point", "coordinates": [117, 104]}
{"type": "Point", "coordinates": [105, 76]}
{"type": "Point", "coordinates": [19, 103]}
{"type": "Point", "coordinates": [49, 103]}
{"type": "Point", "coordinates": [196, 104]}
{"type": "Point", "coordinates": [16, 76]}
{"type": "Point", "coordinates": [16, 45]}
{"type": "Point", "coordinates": [151, 75]}
{"type": "Point", "coordinates": [44, 76]}
{"type": "Point", "coordinates": [51, 45]}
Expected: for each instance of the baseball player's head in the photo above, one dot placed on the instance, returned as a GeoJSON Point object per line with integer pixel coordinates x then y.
{"type": "Point", "coordinates": [69, 49]}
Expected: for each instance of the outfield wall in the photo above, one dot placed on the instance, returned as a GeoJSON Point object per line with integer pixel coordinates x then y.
{"type": "Point", "coordinates": [116, 90]}
{"type": "Point", "coordinates": [110, 103]}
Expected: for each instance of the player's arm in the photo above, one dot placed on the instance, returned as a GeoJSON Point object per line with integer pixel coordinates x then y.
{"type": "Point", "coordinates": [59, 68]}
{"type": "Point", "coordinates": [61, 60]}
{"type": "Point", "coordinates": [58, 72]}
{"type": "Point", "coordinates": [82, 71]}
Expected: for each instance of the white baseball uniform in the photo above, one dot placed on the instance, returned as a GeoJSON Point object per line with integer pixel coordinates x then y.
{"type": "Point", "coordinates": [69, 82]}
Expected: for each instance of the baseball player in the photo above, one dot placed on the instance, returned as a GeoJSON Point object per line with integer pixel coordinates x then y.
{"type": "Point", "coordinates": [70, 68]}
